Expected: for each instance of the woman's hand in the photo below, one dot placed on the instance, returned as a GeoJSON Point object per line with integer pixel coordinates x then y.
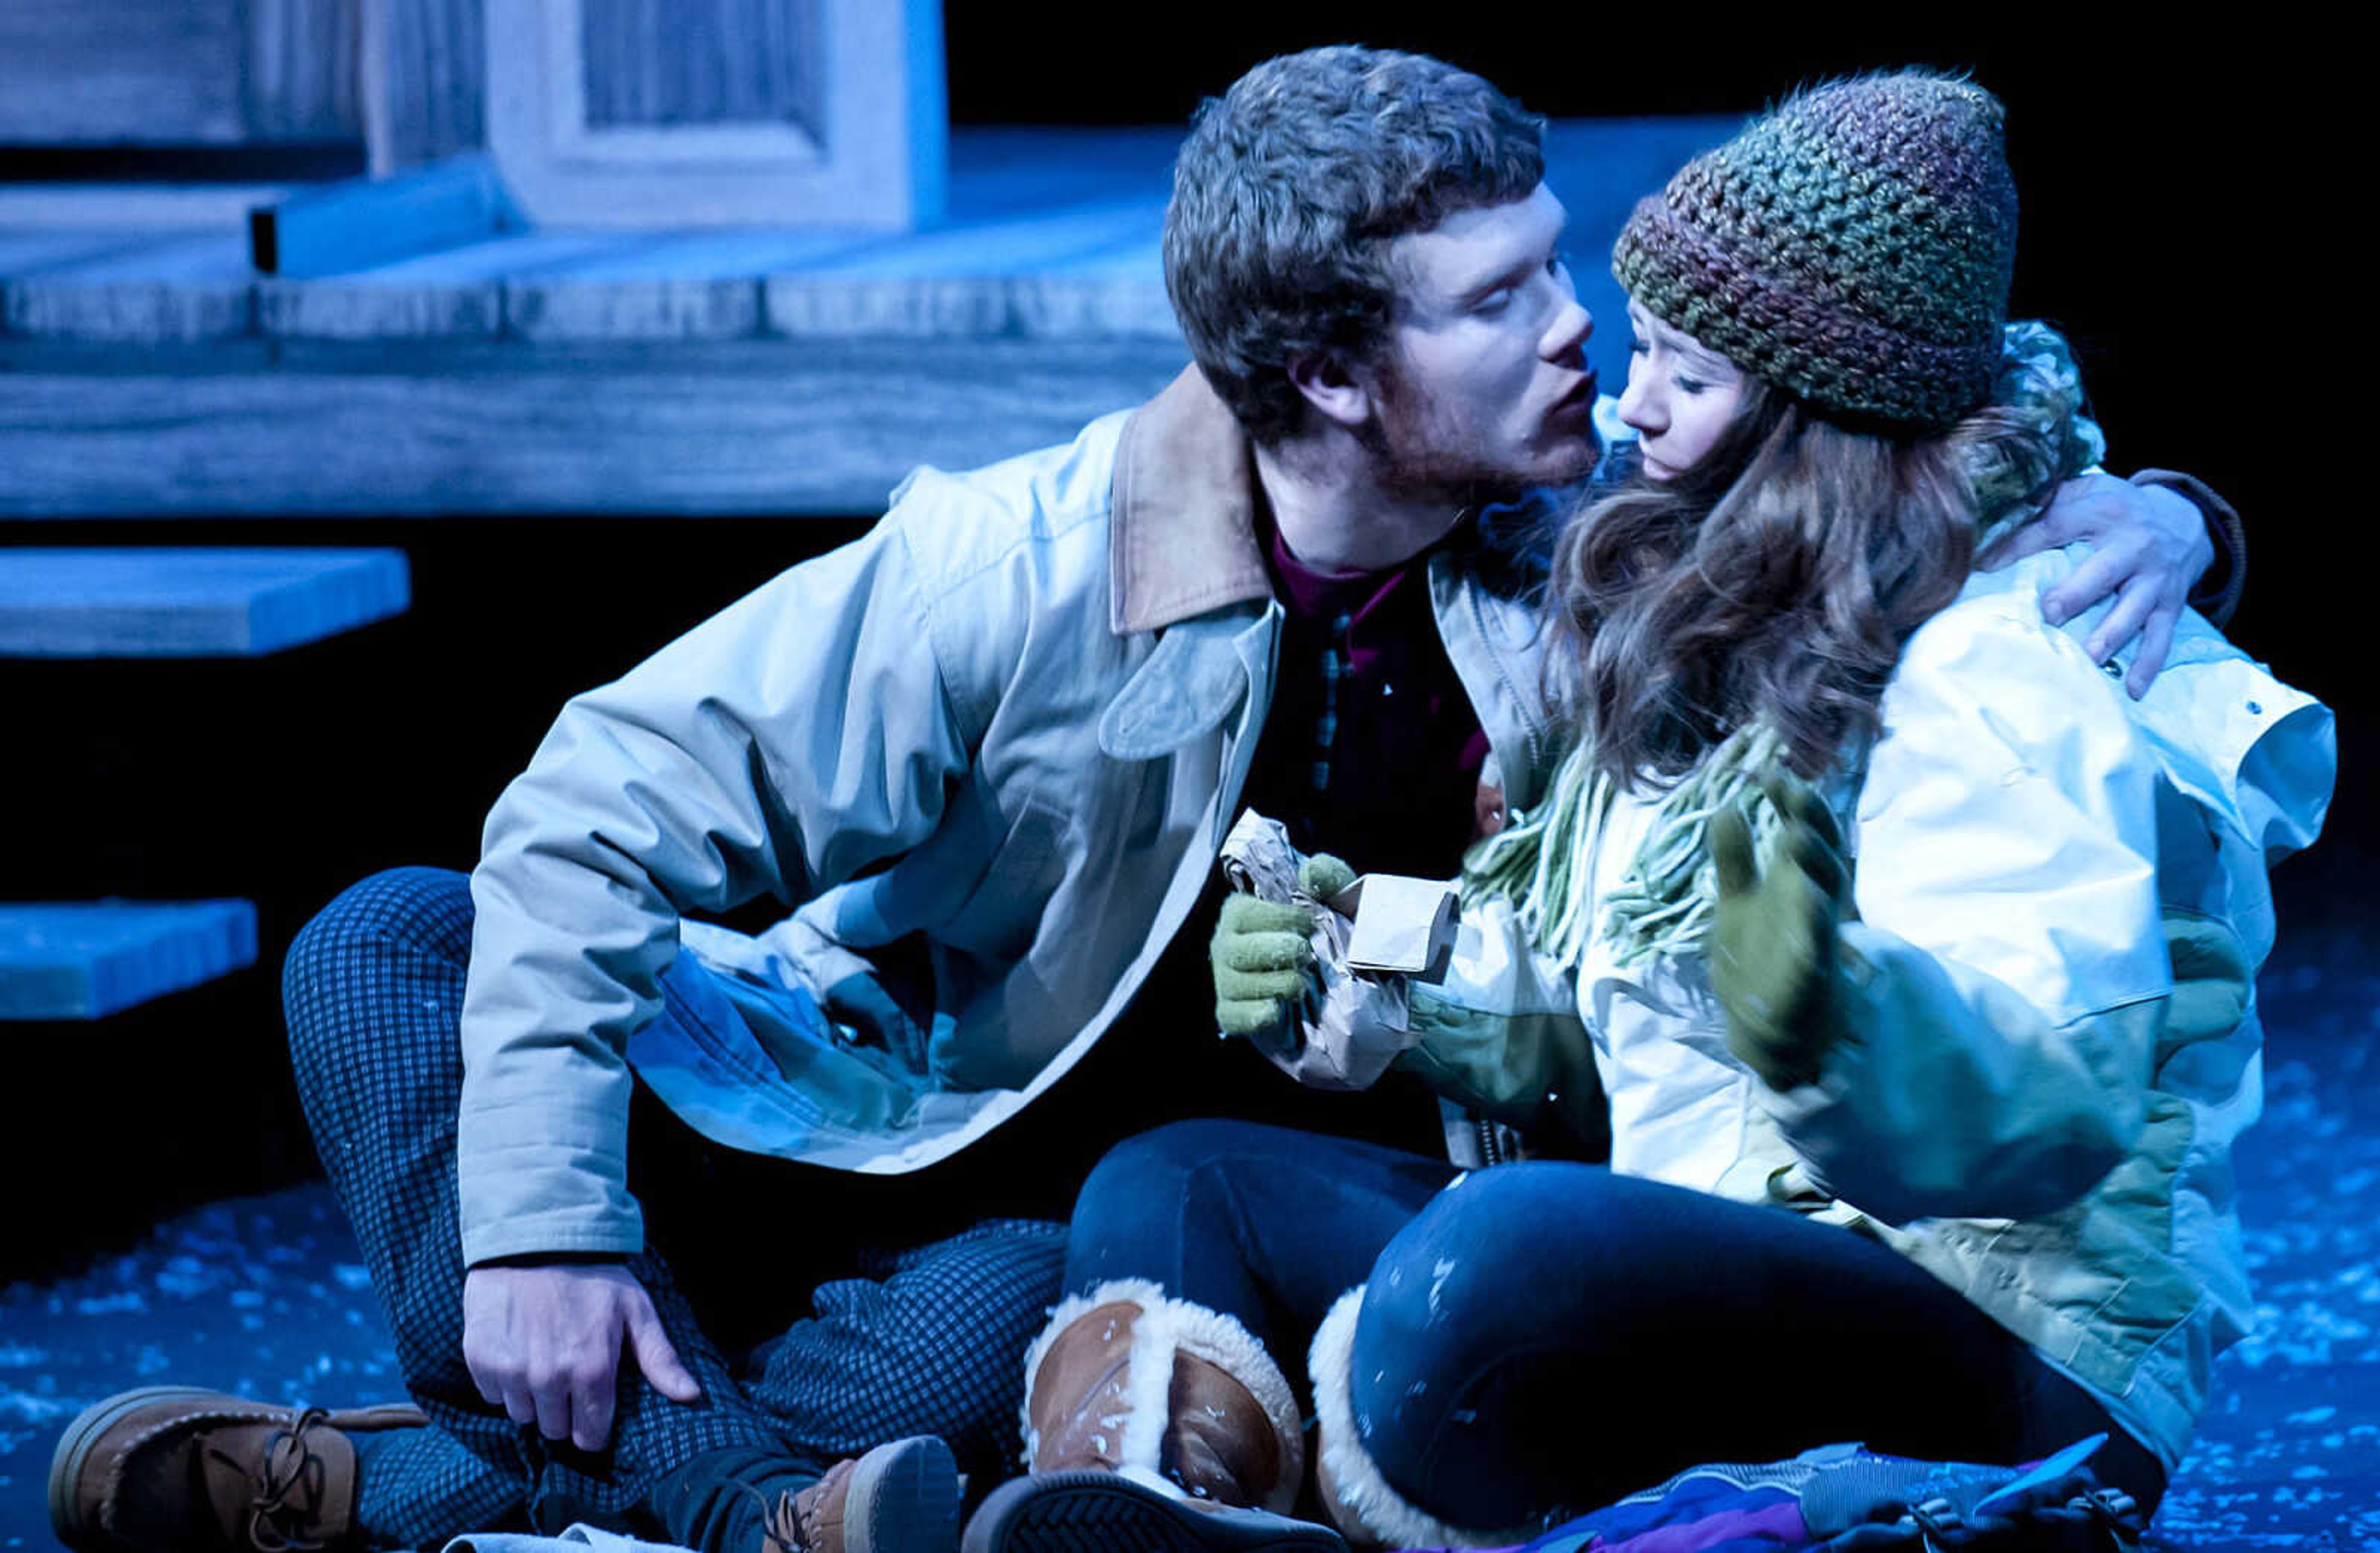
{"type": "Point", "coordinates": [1263, 953]}
{"type": "Point", "coordinates": [2149, 547]}
{"type": "Point", "coordinates": [1774, 950]}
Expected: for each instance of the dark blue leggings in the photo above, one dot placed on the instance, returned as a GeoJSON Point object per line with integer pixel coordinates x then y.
{"type": "Point", "coordinates": [1548, 1335]}
{"type": "Point", "coordinates": [1265, 1223]}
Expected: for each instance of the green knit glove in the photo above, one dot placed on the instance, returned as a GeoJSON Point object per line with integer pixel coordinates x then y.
{"type": "Point", "coordinates": [1263, 955]}
{"type": "Point", "coordinates": [1774, 951]}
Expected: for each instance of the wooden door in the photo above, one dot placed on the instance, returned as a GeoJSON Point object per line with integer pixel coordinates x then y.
{"type": "Point", "coordinates": [701, 113]}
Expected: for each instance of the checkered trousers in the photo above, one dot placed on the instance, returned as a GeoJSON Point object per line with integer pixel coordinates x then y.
{"type": "Point", "coordinates": [373, 990]}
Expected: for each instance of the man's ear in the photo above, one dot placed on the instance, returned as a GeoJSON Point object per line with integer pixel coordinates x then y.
{"type": "Point", "coordinates": [1338, 393]}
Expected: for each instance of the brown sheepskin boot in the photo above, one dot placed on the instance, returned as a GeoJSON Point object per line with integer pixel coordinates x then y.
{"type": "Point", "coordinates": [1151, 1422]}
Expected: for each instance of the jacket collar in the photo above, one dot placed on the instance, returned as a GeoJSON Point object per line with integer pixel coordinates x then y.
{"type": "Point", "coordinates": [1183, 540]}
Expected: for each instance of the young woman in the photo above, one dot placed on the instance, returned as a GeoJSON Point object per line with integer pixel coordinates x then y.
{"type": "Point", "coordinates": [1908, 960]}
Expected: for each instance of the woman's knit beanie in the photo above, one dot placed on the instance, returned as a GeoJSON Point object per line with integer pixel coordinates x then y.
{"type": "Point", "coordinates": [1854, 247]}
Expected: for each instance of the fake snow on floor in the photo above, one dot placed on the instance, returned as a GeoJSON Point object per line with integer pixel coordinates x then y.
{"type": "Point", "coordinates": [264, 1298]}
{"type": "Point", "coordinates": [261, 1297]}
{"type": "Point", "coordinates": [2288, 1453]}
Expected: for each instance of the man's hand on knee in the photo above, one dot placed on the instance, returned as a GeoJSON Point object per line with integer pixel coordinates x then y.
{"type": "Point", "coordinates": [544, 1340]}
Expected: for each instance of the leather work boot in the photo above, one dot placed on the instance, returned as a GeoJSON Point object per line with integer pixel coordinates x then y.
{"type": "Point", "coordinates": [176, 1468]}
{"type": "Point", "coordinates": [1151, 1423]}
{"type": "Point", "coordinates": [901, 1497]}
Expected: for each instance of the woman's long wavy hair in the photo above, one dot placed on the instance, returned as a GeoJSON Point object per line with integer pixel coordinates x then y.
{"type": "Point", "coordinates": [1776, 580]}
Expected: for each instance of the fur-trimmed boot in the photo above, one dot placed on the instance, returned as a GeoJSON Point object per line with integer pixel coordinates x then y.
{"type": "Point", "coordinates": [1151, 1422]}
{"type": "Point", "coordinates": [1354, 1493]}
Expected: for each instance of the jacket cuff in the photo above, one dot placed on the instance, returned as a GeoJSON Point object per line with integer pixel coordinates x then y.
{"type": "Point", "coordinates": [551, 1235]}
{"type": "Point", "coordinates": [2217, 593]}
{"type": "Point", "coordinates": [563, 1192]}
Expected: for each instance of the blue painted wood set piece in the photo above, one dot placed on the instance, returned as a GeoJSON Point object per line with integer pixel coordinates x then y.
{"type": "Point", "coordinates": [364, 223]}
{"type": "Point", "coordinates": [572, 370]}
{"type": "Point", "coordinates": [183, 603]}
{"type": "Point", "coordinates": [85, 960]}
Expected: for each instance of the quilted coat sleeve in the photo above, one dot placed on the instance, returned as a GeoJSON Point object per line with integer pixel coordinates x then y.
{"type": "Point", "coordinates": [2007, 978]}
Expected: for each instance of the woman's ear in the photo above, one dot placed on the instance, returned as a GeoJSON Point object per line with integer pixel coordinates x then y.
{"type": "Point", "coordinates": [1337, 391]}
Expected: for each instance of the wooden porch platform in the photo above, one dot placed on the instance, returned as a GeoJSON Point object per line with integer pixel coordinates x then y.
{"type": "Point", "coordinates": [736, 372]}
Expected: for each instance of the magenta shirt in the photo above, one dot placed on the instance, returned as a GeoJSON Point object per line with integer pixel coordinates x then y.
{"type": "Point", "coordinates": [1371, 750]}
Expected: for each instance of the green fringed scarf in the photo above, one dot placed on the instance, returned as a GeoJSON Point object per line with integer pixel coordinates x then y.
{"type": "Point", "coordinates": [1542, 861]}
{"type": "Point", "coordinates": [1666, 896]}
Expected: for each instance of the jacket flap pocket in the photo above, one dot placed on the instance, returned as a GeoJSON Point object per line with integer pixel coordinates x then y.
{"type": "Point", "coordinates": [1189, 684]}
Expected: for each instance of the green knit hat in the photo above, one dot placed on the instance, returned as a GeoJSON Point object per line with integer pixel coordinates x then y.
{"type": "Point", "coordinates": [1854, 247]}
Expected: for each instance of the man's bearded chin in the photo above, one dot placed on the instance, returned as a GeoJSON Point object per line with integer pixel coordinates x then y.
{"type": "Point", "coordinates": [1418, 460]}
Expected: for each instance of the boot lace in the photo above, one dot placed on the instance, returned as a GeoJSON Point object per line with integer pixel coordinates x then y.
{"type": "Point", "coordinates": [289, 1490]}
{"type": "Point", "coordinates": [786, 1530]}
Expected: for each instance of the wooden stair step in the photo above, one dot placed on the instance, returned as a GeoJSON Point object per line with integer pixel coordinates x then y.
{"type": "Point", "coordinates": [141, 602]}
{"type": "Point", "coordinates": [88, 958]}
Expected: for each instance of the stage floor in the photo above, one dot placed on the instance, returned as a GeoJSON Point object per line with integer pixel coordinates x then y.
{"type": "Point", "coordinates": [266, 1297]}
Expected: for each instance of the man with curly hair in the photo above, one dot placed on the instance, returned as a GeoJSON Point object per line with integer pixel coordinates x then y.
{"type": "Point", "coordinates": [985, 755]}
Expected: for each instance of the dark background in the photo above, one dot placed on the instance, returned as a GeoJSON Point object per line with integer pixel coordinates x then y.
{"type": "Point", "coordinates": [2183, 221]}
